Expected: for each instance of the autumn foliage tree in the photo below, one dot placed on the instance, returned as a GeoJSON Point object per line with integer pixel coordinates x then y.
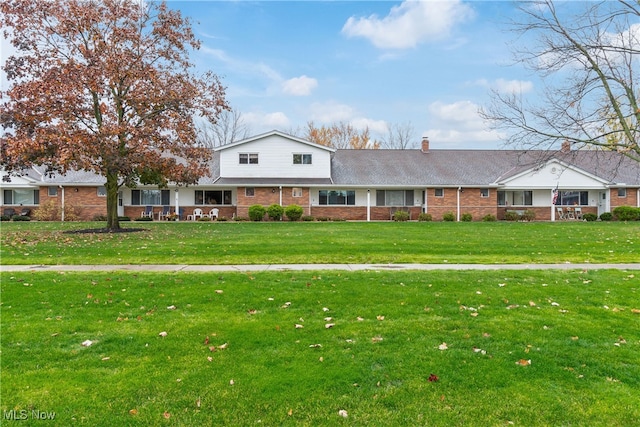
{"type": "Point", "coordinates": [108, 87]}
{"type": "Point", "coordinates": [340, 135]}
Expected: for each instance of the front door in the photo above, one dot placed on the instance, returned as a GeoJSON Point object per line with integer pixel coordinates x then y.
{"type": "Point", "coordinates": [603, 205]}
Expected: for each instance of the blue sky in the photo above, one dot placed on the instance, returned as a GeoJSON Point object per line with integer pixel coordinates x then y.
{"type": "Point", "coordinates": [430, 64]}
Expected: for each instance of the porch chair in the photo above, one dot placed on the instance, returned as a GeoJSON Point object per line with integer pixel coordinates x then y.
{"type": "Point", "coordinates": [560, 213]}
{"type": "Point", "coordinates": [578, 213]}
{"type": "Point", "coordinates": [25, 212]}
{"type": "Point", "coordinates": [213, 213]}
{"type": "Point", "coordinates": [147, 212]}
{"type": "Point", "coordinates": [9, 212]}
{"type": "Point", "coordinates": [197, 213]}
{"type": "Point", "coordinates": [165, 212]}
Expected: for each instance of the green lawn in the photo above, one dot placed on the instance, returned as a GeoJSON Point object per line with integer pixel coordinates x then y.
{"type": "Point", "coordinates": [348, 242]}
{"type": "Point", "coordinates": [392, 331]}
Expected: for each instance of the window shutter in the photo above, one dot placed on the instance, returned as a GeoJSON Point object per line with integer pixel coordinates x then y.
{"type": "Point", "coordinates": [135, 197]}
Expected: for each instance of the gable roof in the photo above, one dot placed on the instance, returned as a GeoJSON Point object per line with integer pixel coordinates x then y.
{"type": "Point", "coordinates": [274, 133]}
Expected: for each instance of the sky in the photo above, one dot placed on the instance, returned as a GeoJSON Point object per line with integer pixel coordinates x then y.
{"type": "Point", "coordinates": [426, 65]}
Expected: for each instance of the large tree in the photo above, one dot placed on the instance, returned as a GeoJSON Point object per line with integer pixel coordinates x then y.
{"type": "Point", "coordinates": [105, 86]}
{"type": "Point", "coordinates": [588, 56]}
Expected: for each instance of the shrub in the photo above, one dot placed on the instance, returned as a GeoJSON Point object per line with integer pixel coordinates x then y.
{"type": "Point", "coordinates": [449, 216]}
{"type": "Point", "coordinates": [425, 217]}
{"type": "Point", "coordinates": [338, 220]}
{"type": "Point", "coordinates": [626, 213]}
{"type": "Point", "coordinates": [589, 216]}
{"type": "Point", "coordinates": [323, 218]}
{"type": "Point", "coordinates": [529, 215]}
{"type": "Point", "coordinates": [401, 216]}
{"type": "Point", "coordinates": [256, 212]}
{"type": "Point", "coordinates": [466, 217]}
{"type": "Point", "coordinates": [144, 219]}
{"type": "Point", "coordinates": [99, 218]}
{"type": "Point", "coordinates": [222, 218]}
{"type": "Point", "coordinates": [275, 212]}
{"type": "Point", "coordinates": [5, 218]}
{"type": "Point", "coordinates": [606, 216]}
{"type": "Point", "coordinates": [293, 212]}
{"type": "Point", "coordinates": [47, 211]}
{"type": "Point", "coordinates": [489, 218]}
{"type": "Point", "coordinates": [204, 219]}
{"type": "Point", "coordinates": [308, 218]}
{"type": "Point", "coordinates": [511, 216]}
{"type": "Point", "coordinates": [123, 218]}
{"type": "Point", "coordinates": [21, 218]}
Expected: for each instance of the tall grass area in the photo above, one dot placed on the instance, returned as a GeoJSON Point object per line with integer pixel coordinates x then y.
{"type": "Point", "coordinates": [348, 242]}
{"type": "Point", "coordinates": [386, 348]}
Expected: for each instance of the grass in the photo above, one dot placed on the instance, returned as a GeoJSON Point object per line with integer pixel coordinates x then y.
{"type": "Point", "coordinates": [579, 329]}
{"type": "Point", "coordinates": [348, 242]}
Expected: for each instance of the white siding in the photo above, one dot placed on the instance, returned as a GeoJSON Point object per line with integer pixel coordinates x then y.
{"type": "Point", "coordinates": [552, 175]}
{"type": "Point", "coordinates": [275, 160]}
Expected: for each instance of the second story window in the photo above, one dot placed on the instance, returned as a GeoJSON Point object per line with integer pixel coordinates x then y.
{"type": "Point", "coordinates": [302, 159]}
{"type": "Point", "coordinates": [248, 158]}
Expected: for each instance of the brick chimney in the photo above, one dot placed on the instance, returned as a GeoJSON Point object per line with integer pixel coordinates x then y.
{"type": "Point", "coordinates": [566, 146]}
{"type": "Point", "coordinates": [425, 144]}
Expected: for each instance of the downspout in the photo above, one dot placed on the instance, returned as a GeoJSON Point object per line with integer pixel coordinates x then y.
{"type": "Point", "coordinates": [62, 204]}
{"type": "Point", "coordinates": [368, 205]}
{"type": "Point", "coordinates": [458, 204]}
{"type": "Point", "coordinates": [553, 210]}
{"type": "Point", "coordinates": [280, 190]}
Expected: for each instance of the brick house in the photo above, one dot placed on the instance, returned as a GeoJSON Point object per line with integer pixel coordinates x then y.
{"type": "Point", "coordinates": [276, 168]}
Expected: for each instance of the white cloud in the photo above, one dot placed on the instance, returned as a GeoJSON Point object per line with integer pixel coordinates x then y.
{"type": "Point", "coordinates": [375, 126]}
{"type": "Point", "coordinates": [330, 112]}
{"type": "Point", "coordinates": [410, 23]}
{"type": "Point", "coordinates": [458, 124]}
{"type": "Point", "coordinates": [262, 122]}
{"type": "Point", "coordinates": [299, 86]}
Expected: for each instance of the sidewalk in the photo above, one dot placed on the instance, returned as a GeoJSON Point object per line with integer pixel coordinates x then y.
{"type": "Point", "coordinates": [297, 267]}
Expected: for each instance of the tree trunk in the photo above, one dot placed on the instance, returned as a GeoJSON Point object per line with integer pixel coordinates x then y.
{"type": "Point", "coordinates": [112, 202]}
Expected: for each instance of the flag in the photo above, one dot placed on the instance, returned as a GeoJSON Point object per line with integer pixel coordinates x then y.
{"type": "Point", "coordinates": [555, 196]}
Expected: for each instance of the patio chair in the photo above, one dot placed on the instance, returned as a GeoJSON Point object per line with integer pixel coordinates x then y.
{"type": "Point", "coordinates": [165, 212]}
{"type": "Point", "coordinates": [197, 213]}
{"type": "Point", "coordinates": [213, 213]}
{"type": "Point", "coordinates": [9, 212]}
{"type": "Point", "coordinates": [25, 212]}
{"type": "Point", "coordinates": [577, 212]}
{"type": "Point", "coordinates": [560, 213]}
{"type": "Point", "coordinates": [147, 212]}
{"type": "Point", "coordinates": [571, 213]}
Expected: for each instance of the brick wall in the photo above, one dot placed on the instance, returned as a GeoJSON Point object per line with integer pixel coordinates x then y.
{"type": "Point", "coordinates": [83, 200]}
{"type": "Point", "coordinates": [631, 198]}
{"type": "Point", "coordinates": [471, 201]}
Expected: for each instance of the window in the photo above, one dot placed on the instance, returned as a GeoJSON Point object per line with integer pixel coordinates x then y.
{"type": "Point", "coordinates": [52, 191]}
{"type": "Point", "coordinates": [302, 159]}
{"type": "Point", "coordinates": [439, 192]}
{"type": "Point", "coordinates": [249, 192]}
{"type": "Point", "coordinates": [622, 192]}
{"type": "Point", "coordinates": [102, 191]}
{"type": "Point", "coordinates": [516, 198]}
{"type": "Point", "coordinates": [394, 198]}
{"type": "Point", "coordinates": [150, 197]}
{"type": "Point", "coordinates": [248, 158]}
{"type": "Point", "coordinates": [296, 192]}
{"type": "Point", "coordinates": [21, 197]}
{"type": "Point", "coordinates": [213, 197]}
{"type": "Point", "coordinates": [337, 197]}
{"type": "Point", "coordinates": [572, 198]}
{"type": "Point", "coordinates": [484, 192]}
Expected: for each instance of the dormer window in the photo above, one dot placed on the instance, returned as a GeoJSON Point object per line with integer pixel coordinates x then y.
{"type": "Point", "coordinates": [248, 158]}
{"type": "Point", "coordinates": [302, 159]}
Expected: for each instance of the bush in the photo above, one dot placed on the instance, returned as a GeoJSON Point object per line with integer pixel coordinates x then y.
{"type": "Point", "coordinates": [99, 218]}
{"type": "Point", "coordinates": [626, 213]}
{"type": "Point", "coordinates": [401, 216]}
{"type": "Point", "coordinates": [529, 215]}
{"type": "Point", "coordinates": [449, 216]}
{"type": "Point", "coordinates": [466, 217]}
{"type": "Point", "coordinates": [222, 218]}
{"type": "Point", "coordinates": [123, 218]}
{"type": "Point", "coordinates": [144, 219]}
{"type": "Point", "coordinates": [589, 216]}
{"type": "Point", "coordinates": [5, 218]}
{"type": "Point", "coordinates": [323, 218]}
{"type": "Point", "coordinates": [511, 216]}
{"type": "Point", "coordinates": [240, 219]}
{"type": "Point", "coordinates": [204, 219]}
{"type": "Point", "coordinates": [425, 217]}
{"type": "Point", "coordinates": [21, 218]}
{"type": "Point", "coordinates": [308, 218]}
{"type": "Point", "coordinates": [257, 212]}
{"type": "Point", "coordinates": [293, 212]}
{"type": "Point", "coordinates": [489, 218]}
{"type": "Point", "coordinates": [275, 212]}
{"type": "Point", "coordinates": [48, 211]}
{"type": "Point", "coordinates": [606, 216]}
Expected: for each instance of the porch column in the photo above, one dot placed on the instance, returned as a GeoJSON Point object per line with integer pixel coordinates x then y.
{"type": "Point", "coordinates": [177, 200]}
{"type": "Point", "coordinates": [368, 205]}
{"type": "Point", "coordinates": [458, 204]}
{"type": "Point", "coordinates": [553, 208]}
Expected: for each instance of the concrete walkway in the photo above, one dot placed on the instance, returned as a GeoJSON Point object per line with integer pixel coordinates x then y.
{"type": "Point", "coordinates": [297, 267]}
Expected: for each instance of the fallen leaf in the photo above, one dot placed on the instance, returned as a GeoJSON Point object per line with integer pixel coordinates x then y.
{"type": "Point", "coordinates": [171, 307]}
{"type": "Point", "coordinates": [329, 325]}
{"type": "Point", "coordinates": [87, 343]}
{"type": "Point", "coordinates": [223, 346]}
{"type": "Point", "coordinates": [635, 311]}
{"type": "Point", "coordinates": [219, 291]}
{"type": "Point", "coordinates": [298, 326]}
{"type": "Point", "coordinates": [163, 334]}
{"type": "Point", "coordinates": [206, 341]}
{"type": "Point", "coordinates": [232, 382]}
{"type": "Point", "coordinates": [474, 314]}
{"type": "Point", "coordinates": [343, 413]}
{"type": "Point", "coordinates": [290, 412]}
{"type": "Point", "coordinates": [325, 309]}
{"type": "Point", "coordinates": [380, 318]}
{"type": "Point", "coordinates": [106, 358]}
{"type": "Point", "coordinates": [376, 339]}
{"type": "Point", "coordinates": [532, 304]}
{"type": "Point", "coordinates": [523, 362]}
{"type": "Point", "coordinates": [328, 319]}
{"type": "Point", "coordinates": [198, 403]}
{"type": "Point", "coordinates": [315, 345]}
{"type": "Point", "coordinates": [443, 346]}
{"type": "Point", "coordinates": [166, 415]}
{"type": "Point", "coordinates": [360, 319]}
{"type": "Point", "coordinates": [433, 378]}
{"type": "Point", "coordinates": [321, 359]}
{"type": "Point", "coordinates": [133, 411]}
{"type": "Point", "coordinates": [210, 359]}
{"type": "Point", "coordinates": [253, 311]}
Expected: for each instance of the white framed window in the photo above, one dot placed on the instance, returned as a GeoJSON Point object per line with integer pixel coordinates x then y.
{"type": "Point", "coordinates": [337, 197]}
{"type": "Point", "coordinates": [248, 158]}
{"type": "Point", "coordinates": [21, 197]}
{"type": "Point", "coordinates": [52, 191]}
{"type": "Point", "coordinates": [296, 192]}
{"type": "Point", "coordinates": [622, 192]}
{"type": "Point", "coordinates": [438, 192]}
{"type": "Point", "coordinates": [302, 159]}
{"type": "Point", "coordinates": [102, 191]}
{"type": "Point", "coordinates": [484, 192]}
{"type": "Point", "coordinates": [249, 192]}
